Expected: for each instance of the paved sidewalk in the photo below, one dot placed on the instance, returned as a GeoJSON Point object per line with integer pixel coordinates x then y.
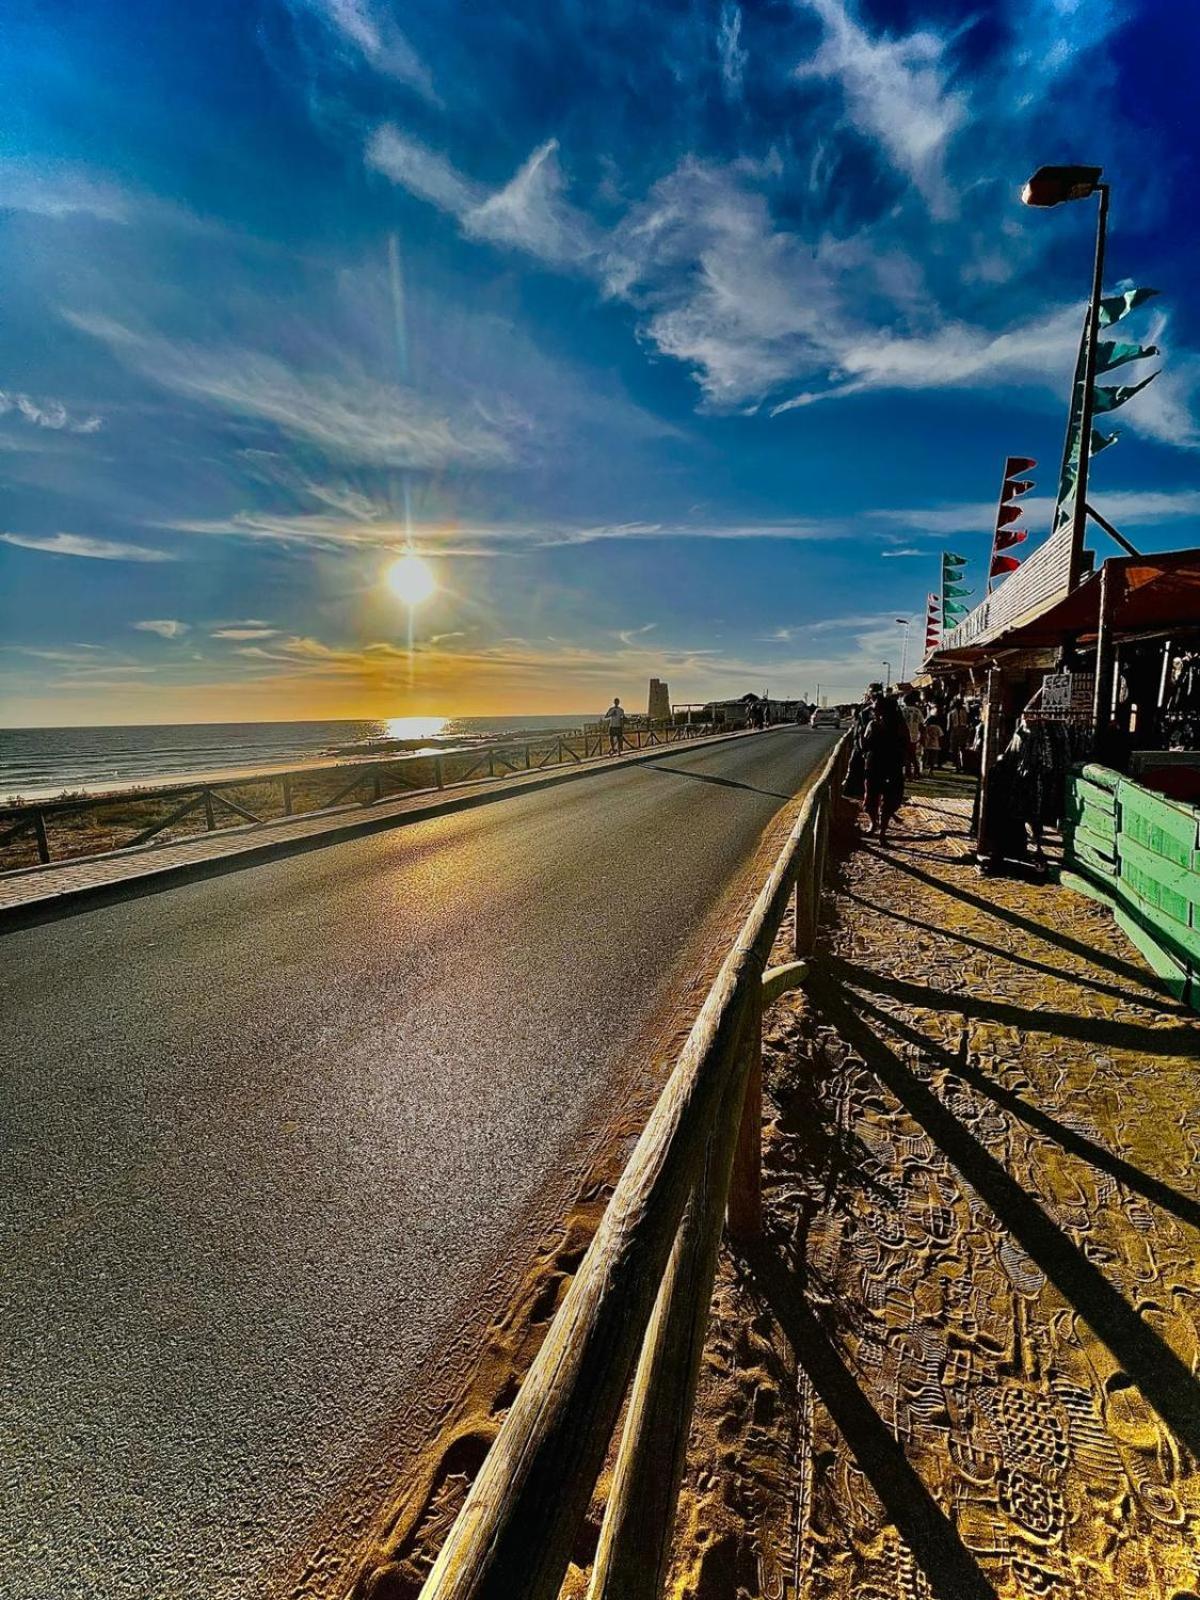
{"type": "Point", "coordinates": [964, 1362]}
{"type": "Point", "coordinates": [32, 894]}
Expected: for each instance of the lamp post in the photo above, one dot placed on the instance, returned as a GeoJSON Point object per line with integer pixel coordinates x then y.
{"type": "Point", "coordinates": [906, 624]}
{"type": "Point", "coordinates": [1052, 186]}
{"type": "Point", "coordinates": [888, 680]}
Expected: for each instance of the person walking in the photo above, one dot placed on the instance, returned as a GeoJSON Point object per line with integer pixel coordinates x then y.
{"type": "Point", "coordinates": [931, 743]}
{"type": "Point", "coordinates": [615, 717]}
{"type": "Point", "coordinates": [885, 750]}
{"type": "Point", "coordinates": [911, 712]}
{"type": "Point", "coordinates": [958, 728]}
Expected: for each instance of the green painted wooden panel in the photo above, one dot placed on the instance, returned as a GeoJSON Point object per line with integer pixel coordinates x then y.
{"type": "Point", "coordinates": [1160, 826]}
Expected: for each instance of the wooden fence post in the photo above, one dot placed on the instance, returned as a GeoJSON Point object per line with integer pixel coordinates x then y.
{"type": "Point", "coordinates": [210, 821]}
{"type": "Point", "coordinates": [439, 775]}
{"type": "Point", "coordinates": [39, 828]}
{"type": "Point", "coordinates": [806, 897]}
{"type": "Point", "coordinates": [287, 794]}
{"type": "Point", "coordinates": [745, 1188]}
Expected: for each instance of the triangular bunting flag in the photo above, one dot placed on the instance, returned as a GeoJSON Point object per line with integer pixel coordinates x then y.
{"type": "Point", "coordinates": [1002, 565]}
{"type": "Point", "coordinates": [1008, 514]}
{"type": "Point", "coordinates": [1115, 306]}
{"type": "Point", "coordinates": [1110, 354]}
{"type": "Point", "coordinates": [1016, 464]}
{"type": "Point", "coordinates": [1109, 399]}
{"type": "Point", "coordinates": [1014, 487]}
{"type": "Point", "coordinates": [1101, 441]}
{"type": "Point", "coordinates": [1007, 537]}
{"type": "Point", "coordinates": [956, 589]}
{"type": "Point", "coordinates": [949, 559]}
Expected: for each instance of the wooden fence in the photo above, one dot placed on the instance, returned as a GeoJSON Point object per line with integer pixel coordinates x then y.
{"type": "Point", "coordinates": [60, 829]}
{"type": "Point", "coordinates": [641, 1296]}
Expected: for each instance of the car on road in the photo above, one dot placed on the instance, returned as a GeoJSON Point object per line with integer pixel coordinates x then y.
{"type": "Point", "coordinates": [825, 717]}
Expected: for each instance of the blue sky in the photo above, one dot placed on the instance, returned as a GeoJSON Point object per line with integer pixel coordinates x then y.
{"type": "Point", "coordinates": [681, 338]}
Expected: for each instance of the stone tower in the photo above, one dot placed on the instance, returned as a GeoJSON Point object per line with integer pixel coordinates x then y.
{"type": "Point", "coordinates": [660, 701]}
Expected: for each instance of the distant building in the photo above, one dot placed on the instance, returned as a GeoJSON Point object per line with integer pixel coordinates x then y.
{"type": "Point", "coordinates": [660, 701]}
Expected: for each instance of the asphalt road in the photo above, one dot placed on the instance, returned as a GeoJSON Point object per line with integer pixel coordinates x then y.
{"type": "Point", "coordinates": [263, 1133]}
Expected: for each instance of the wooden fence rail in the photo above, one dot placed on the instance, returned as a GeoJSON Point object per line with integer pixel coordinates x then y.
{"type": "Point", "coordinates": [641, 1295]}
{"type": "Point", "coordinates": [368, 782]}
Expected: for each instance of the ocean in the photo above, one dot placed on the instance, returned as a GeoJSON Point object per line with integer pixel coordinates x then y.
{"type": "Point", "coordinates": [38, 762]}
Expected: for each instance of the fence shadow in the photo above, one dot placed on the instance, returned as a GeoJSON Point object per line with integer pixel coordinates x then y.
{"type": "Point", "coordinates": [949, 1567]}
{"type": "Point", "coordinates": [1143, 1183]}
{"type": "Point", "coordinates": [1179, 1040]}
{"type": "Point", "coordinates": [1167, 1384]}
{"type": "Point", "coordinates": [1040, 930]}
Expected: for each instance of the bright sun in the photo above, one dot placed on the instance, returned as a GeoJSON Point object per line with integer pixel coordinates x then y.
{"type": "Point", "coordinates": [410, 579]}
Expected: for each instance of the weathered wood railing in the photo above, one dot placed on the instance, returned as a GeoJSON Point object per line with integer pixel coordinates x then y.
{"type": "Point", "coordinates": [641, 1295]}
{"type": "Point", "coordinates": [367, 781]}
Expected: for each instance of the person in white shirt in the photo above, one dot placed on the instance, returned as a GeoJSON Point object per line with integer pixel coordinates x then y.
{"type": "Point", "coordinates": [913, 721]}
{"type": "Point", "coordinates": [615, 717]}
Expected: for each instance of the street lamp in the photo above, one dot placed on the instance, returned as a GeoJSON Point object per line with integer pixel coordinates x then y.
{"type": "Point", "coordinates": [1052, 186]}
{"type": "Point", "coordinates": [906, 624]}
{"type": "Point", "coordinates": [888, 681]}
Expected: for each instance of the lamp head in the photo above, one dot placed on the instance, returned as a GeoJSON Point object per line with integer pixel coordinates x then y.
{"type": "Point", "coordinates": [1050, 186]}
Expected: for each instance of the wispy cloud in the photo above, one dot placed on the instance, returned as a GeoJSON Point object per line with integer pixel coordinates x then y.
{"type": "Point", "coordinates": [45, 413]}
{"type": "Point", "coordinates": [164, 627]}
{"type": "Point", "coordinates": [489, 538]}
{"type": "Point", "coordinates": [81, 544]}
{"type": "Point", "coordinates": [896, 93]}
{"type": "Point", "coordinates": [345, 413]}
{"type": "Point", "coordinates": [730, 50]}
{"type": "Point", "coordinates": [51, 189]}
{"type": "Point", "coordinates": [531, 212]}
{"type": "Point", "coordinates": [245, 631]}
{"type": "Point", "coordinates": [369, 33]}
{"type": "Point", "coordinates": [1133, 508]}
{"type": "Point", "coordinates": [892, 555]}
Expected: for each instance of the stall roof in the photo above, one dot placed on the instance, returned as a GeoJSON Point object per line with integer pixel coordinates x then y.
{"type": "Point", "coordinates": [1147, 594]}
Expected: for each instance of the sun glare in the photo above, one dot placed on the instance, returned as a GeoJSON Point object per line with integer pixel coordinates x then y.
{"type": "Point", "coordinates": [410, 579]}
{"type": "Point", "coordinates": [414, 727]}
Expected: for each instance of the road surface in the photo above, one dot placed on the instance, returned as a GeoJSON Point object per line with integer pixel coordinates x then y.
{"type": "Point", "coordinates": [264, 1133]}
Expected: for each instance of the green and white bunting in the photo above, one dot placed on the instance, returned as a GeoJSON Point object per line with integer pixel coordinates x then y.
{"type": "Point", "coordinates": [1110, 353]}
{"type": "Point", "coordinates": [1109, 399]}
{"type": "Point", "coordinates": [1115, 306]}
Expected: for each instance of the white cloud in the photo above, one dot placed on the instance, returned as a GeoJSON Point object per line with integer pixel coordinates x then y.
{"type": "Point", "coordinates": [530, 212]}
{"type": "Point", "coordinates": [421, 171]}
{"type": "Point", "coordinates": [892, 555]}
{"type": "Point", "coordinates": [370, 33]}
{"type": "Point", "coordinates": [345, 413]}
{"type": "Point", "coordinates": [164, 627]}
{"type": "Point", "coordinates": [244, 632]}
{"type": "Point", "coordinates": [81, 544]}
{"type": "Point", "coordinates": [45, 413]}
{"type": "Point", "coordinates": [895, 94]}
{"type": "Point", "coordinates": [730, 50]}
{"type": "Point", "coordinates": [1132, 508]}
{"type": "Point", "coordinates": [50, 189]}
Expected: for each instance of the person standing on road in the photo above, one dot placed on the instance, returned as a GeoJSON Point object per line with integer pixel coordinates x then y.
{"type": "Point", "coordinates": [615, 717]}
{"type": "Point", "coordinates": [885, 750]}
